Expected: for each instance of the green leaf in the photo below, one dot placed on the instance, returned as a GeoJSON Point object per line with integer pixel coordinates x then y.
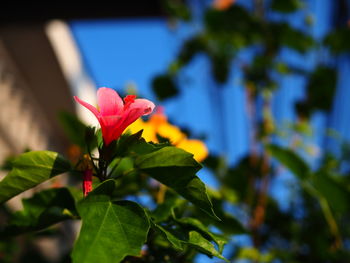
{"type": "Point", "coordinates": [165, 210]}
{"type": "Point", "coordinates": [197, 225]}
{"type": "Point", "coordinates": [176, 169]}
{"type": "Point", "coordinates": [119, 167]}
{"type": "Point", "coordinates": [199, 242]}
{"type": "Point", "coordinates": [30, 169]}
{"type": "Point", "coordinates": [111, 229]}
{"type": "Point", "coordinates": [126, 141]}
{"type": "Point", "coordinates": [44, 209]}
{"type": "Point", "coordinates": [180, 237]}
{"type": "Point", "coordinates": [290, 160]}
{"type": "Point", "coordinates": [174, 241]}
{"type": "Point", "coordinates": [134, 144]}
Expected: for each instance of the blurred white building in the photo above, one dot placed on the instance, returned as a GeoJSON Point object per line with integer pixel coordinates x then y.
{"type": "Point", "coordinates": [33, 90]}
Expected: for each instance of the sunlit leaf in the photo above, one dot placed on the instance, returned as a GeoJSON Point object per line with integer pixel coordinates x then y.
{"type": "Point", "coordinates": [30, 169]}
{"type": "Point", "coordinates": [174, 241]}
{"type": "Point", "coordinates": [198, 241]}
{"type": "Point", "coordinates": [111, 229]}
{"type": "Point", "coordinates": [177, 169]}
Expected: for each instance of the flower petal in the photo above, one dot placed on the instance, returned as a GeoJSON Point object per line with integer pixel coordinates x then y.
{"type": "Point", "coordinates": [88, 106]}
{"type": "Point", "coordinates": [108, 126]}
{"type": "Point", "coordinates": [143, 106]}
{"type": "Point", "coordinates": [171, 132]}
{"type": "Point", "coordinates": [109, 102]}
{"type": "Point", "coordinates": [136, 109]}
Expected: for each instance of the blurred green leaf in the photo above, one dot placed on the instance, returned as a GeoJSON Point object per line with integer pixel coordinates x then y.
{"type": "Point", "coordinates": [165, 210]}
{"type": "Point", "coordinates": [220, 66]}
{"type": "Point", "coordinates": [282, 68]}
{"type": "Point", "coordinates": [7, 163]}
{"type": "Point", "coordinates": [255, 255]}
{"type": "Point", "coordinates": [30, 169]}
{"type": "Point", "coordinates": [119, 167]}
{"type": "Point", "coordinates": [73, 127]}
{"type": "Point", "coordinates": [302, 108]}
{"type": "Point", "coordinates": [258, 71]}
{"type": "Point", "coordinates": [290, 160]}
{"type": "Point", "coordinates": [338, 40]}
{"type": "Point", "coordinates": [164, 86]}
{"type": "Point", "coordinates": [334, 192]}
{"type": "Point", "coordinates": [240, 177]}
{"type": "Point", "coordinates": [285, 35]}
{"type": "Point", "coordinates": [177, 9]}
{"type": "Point", "coordinates": [286, 6]}
{"type": "Point", "coordinates": [93, 139]}
{"type": "Point", "coordinates": [192, 47]}
{"type": "Point", "coordinates": [235, 24]}
{"type": "Point", "coordinates": [44, 209]}
{"type": "Point", "coordinates": [111, 229]}
{"type": "Point", "coordinates": [177, 169]}
{"type": "Point", "coordinates": [321, 88]}
{"type": "Point", "coordinates": [228, 224]}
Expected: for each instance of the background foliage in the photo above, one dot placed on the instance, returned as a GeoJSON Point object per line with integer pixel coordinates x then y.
{"type": "Point", "coordinates": [180, 218]}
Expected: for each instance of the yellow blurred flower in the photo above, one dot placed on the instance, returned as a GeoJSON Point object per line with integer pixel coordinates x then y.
{"type": "Point", "coordinates": [196, 147]}
{"type": "Point", "coordinates": [158, 124]}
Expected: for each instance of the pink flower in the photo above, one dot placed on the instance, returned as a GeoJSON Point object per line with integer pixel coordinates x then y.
{"type": "Point", "coordinates": [114, 115]}
{"type": "Point", "coordinates": [87, 182]}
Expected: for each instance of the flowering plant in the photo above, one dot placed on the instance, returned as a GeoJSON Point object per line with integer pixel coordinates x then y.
{"type": "Point", "coordinates": [114, 167]}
